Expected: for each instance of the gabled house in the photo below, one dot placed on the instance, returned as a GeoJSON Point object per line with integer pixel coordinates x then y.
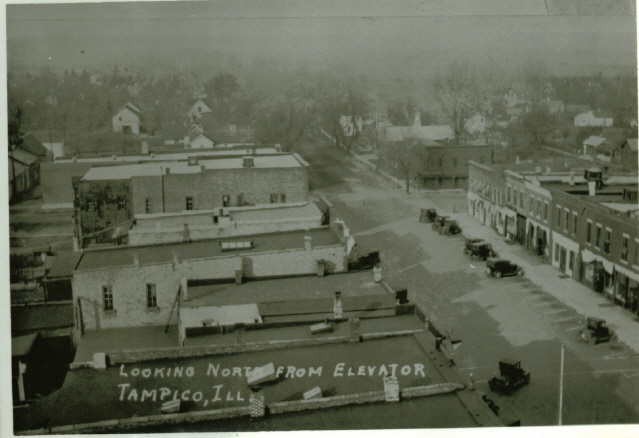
{"type": "Point", "coordinates": [202, 141]}
{"type": "Point", "coordinates": [594, 118]}
{"type": "Point", "coordinates": [53, 141]}
{"type": "Point", "coordinates": [198, 108]}
{"type": "Point", "coordinates": [475, 124]}
{"type": "Point", "coordinates": [555, 106]}
{"type": "Point", "coordinates": [127, 119]}
{"type": "Point", "coordinates": [32, 145]}
{"type": "Point", "coordinates": [592, 143]}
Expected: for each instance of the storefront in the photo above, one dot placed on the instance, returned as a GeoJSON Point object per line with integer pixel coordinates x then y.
{"type": "Point", "coordinates": [537, 238]}
{"type": "Point", "coordinates": [506, 223]}
{"type": "Point", "coordinates": [626, 288]}
{"type": "Point", "coordinates": [598, 272]}
{"type": "Point", "coordinates": [565, 254]}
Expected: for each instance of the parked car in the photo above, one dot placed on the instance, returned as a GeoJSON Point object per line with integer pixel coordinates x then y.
{"type": "Point", "coordinates": [481, 250]}
{"type": "Point", "coordinates": [511, 377]}
{"type": "Point", "coordinates": [439, 222]}
{"type": "Point", "coordinates": [450, 227]}
{"type": "Point", "coordinates": [470, 241]}
{"type": "Point", "coordinates": [501, 268]}
{"type": "Point", "coordinates": [427, 215]}
{"type": "Point", "coordinates": [597, 331]}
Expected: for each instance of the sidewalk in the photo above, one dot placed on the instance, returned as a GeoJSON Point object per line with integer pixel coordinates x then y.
{"type": "Point", "coordinates": [570, 292]}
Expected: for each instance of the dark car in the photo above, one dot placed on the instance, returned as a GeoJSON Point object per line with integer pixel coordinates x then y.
{"type": "Point", "coordinates": [469, 242]}
{"type": "Point", "coordinates": [439, 222]}
{"type": "Point", "coordinates": [481, 250]}
{"type": "Point", "coordinates": [427, 215]}
{"type": "Point", "coordinates": [597, 331]}
{"type": "Point", "coordinates": [511, 377]}
{"type": "Point", "coordinates": [450, 227]}
{"type": "Point", "coordinates": [502, 268]}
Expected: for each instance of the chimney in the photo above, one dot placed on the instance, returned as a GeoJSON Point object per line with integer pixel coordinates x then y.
{"type": "Point", "coordinates": [202, 168]}
{"type": "Point", "coordinates": [114, 157]}
{"type": "Point", "coordinates": [591, 187]}
{"type": "Point", "coordinates": [308, 245]}
{"type": "Point", "coordinates": [152, 154]}
{"type": "Point", "coordinates": [185, 288]}
{"type": "Point", "coordinates": [338, 311]}
{"type": "Point", "coordinates": [418, 119]}
{"type": "Point", "coordinates": [278, 148]}
{"type": "Point", "coordinates": [145, 148]}
{"type": "Point", "coordinates": [572, 178]}
{"type": "Point", "coordinates": [193, 161]}
{"type": "Point", "coordinates": [136, 260]}
{"type": "Point", "coordinates": [248, 162]}
{"type": "Point", "coordinates": [168, 171]}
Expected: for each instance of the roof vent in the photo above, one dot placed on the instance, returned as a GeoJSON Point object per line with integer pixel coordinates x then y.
{"type": "Point", "coordinates": [193, 161]}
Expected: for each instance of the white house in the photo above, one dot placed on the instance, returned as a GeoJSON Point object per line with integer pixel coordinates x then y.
{"type": "Point", "coordinates": [592, 118]}
{"type": "Point", "coordinates": [351, 125]}
{"type": "Point", "coordinates": [201, 142]}
{"type": "Point", "coordinates": [555, 106]}
{"type": "Point", "coordinates": [475, 124]}
{"type": "Point", "coordinates": [127, 119]}
{"type": "Point", "coordinates": [592, 143]}
{"type": "Point", "coordinates": [199, 107]}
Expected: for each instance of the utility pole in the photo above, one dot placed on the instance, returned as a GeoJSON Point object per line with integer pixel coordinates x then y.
{"type": "Point", "coordinates": [561, 384]}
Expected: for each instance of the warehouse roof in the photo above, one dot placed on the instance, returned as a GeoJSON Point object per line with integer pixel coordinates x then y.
{"type": "Point", "coordinates": [204, 249]}
{"type": "Point", "coordinates": [181, 167]}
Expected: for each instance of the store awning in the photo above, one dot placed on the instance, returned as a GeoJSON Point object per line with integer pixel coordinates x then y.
{"type": "Point", "coordinates": [565, 242]}
{"type": "Point", "coordinates": [587, 256]}
{"type": "Point", "coordinates": [627, 272]}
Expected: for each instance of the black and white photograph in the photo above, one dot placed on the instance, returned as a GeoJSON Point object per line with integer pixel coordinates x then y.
{"type": "Point", "coordinates": [236, 216]}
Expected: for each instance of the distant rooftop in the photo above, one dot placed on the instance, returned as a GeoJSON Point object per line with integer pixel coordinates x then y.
{"type": "Point", "coordinates": [153, 254]}
{"type": "Point", "coordinates": [432, 132]}
{"type": "Point", "coordinates": [181, 167]}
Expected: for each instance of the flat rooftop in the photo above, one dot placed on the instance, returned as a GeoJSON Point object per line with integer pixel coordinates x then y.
{"type": "Point", "coordinates": [89, 395]}
{"type": "Point", "coordinates": [320, 289]}
{"type": "Point", "coordinates": [154, 254]}
{"type": "Point", "coordinates": [268, 213]}
{"type": "Point", "coordinates": [125, 172]}
{"type": "Point", "coordinates": [174, 156]}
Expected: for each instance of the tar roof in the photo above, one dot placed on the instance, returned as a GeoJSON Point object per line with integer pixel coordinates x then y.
{"type": "Point", "coordinates": [63, 265]}
{"type": "Point", "coordinates": [43, 317]}
{"type": "Point", "coordinates": [309, 210]}
{"type": "Point", "coordinates": [21, 345]}
{"type": "Point", "coordinates": [296, 288]}
{"type": "Point", "coordinates": [156, 169]}
{"type": "Point", "coordinates": [203, 249]}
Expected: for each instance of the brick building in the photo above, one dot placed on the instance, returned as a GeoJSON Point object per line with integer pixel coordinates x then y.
{"type": "Point", "coordinates": [132, 287]}
{"type": "Point", "coordinates": [445, 165]}
{"type": "Point", "coordinates": [584, 224]}
{"type": "Point", "coordinates": [108, 198]}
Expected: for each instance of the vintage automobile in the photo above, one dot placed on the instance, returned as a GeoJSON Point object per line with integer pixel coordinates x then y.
{"type": "Point", "coordinates": [481, 250]}
{"type": "Point", "coordinates": [597, 331]}
{"type": "Point", "coordinates": [427, 215]}
{"type": "Point", "coordinates": [469, 241]}
{"type": "Point", "coordinates": [511, 377]}
{"type": "Point", "coordinates": [450, 227]}
{"type": "Point", "coordinates": [501, 268]}
{"type": "Point", "coordinates": [439, 222]}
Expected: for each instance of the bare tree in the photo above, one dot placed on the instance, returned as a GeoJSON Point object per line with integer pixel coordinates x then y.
{"type": "Point", "coordinates": [458, 96]}
{"type": "Point", "coordinates": [405, 157]}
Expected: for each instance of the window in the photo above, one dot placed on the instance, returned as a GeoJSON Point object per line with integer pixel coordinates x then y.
{"type": "Point", "coordinates": [121, 202]}
{"type": "Point", "coordinates": [189, 202]}
{"type": "Point", "coordinates": [607, 241]}
{"type": "Point", "coordinates": [566, 220]}
{"type": "Point", "coordinates": [441, 162]}
{"type": "Point", "coordinates": [454, 162]}
{"type": "Point", "coordinates": [273, 198]}
{"type": "Point", "coordinates": [510, 194]}
{"type": "Point", "coordinates": [240, 199]}
{"type": "Point", "coordinates": [283, 197]}
{"type": "Point", "coordinates": [588, 231]}
{"type": "Point", "coordinates": [90, 203]}
{"type": "Point", "coordinates": [624, 248]}
{"type": "Point", "coordinates": [147, 205]}
{"type": "Point", "coordinates": [226, 200]}
{"type": "Point", "coordinates": [151, 296]}
{"type": "Point", "coordinates": [521, 200]}
{"type": "Point", "coordinates": [556, 252]}
{"type": "Point", "coordinates": [107, 297]}
{"type": "Point", "coordinates": [559, 216]}
{"type": "Point", "coordinates": [598, 235]}
{"type": "Point", "coordinates": [574, 223]}
{"type": "Point", "coordinates": [532, 205]}
{"type": "Point", "coordinates": [199, 109]}
{"type": "Point", "coordinates": [545, 211]}
{"type": "Point", "coordinates": [537, 207]}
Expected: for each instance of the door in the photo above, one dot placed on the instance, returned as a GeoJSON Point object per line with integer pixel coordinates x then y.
{"type": "Point", "coordinates": [562, 259]}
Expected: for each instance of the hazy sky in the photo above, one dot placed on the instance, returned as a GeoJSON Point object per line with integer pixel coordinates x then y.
{"type": "Point", "coordinates": [387, 37]}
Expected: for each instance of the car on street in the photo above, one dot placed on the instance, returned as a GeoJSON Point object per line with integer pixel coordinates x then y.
{"type": "Point", "coordinates": [512, 376]}
{"type": "Point", "coordinates": [470, 241]}
{"type": "Point", "coordinates": [481, 250]}
{"type": "Point", "coordinates": [502, 268]}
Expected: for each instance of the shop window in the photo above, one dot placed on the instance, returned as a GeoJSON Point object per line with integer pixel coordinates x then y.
{"type": "Point", "coordinates": [147, 205]}
{"type": "Point", "coordinates": [598, 236]}
{"type": "Point", "coordinates": [189, 202]}
{"type": "Point", "coordinates": [151, 296]}
{"type": "Point", "coordinates": [624, 248]}
{"type": "Point", "coordinates": [571, 263]}
{"type": "Point", "coordinates": [556, 252]}
{"type": "Point", "coordinates": [589, 232]}
{"type": "Point", "coordinates": [107, 297]}
{"type": "Point", "coordinates": [121, 202]}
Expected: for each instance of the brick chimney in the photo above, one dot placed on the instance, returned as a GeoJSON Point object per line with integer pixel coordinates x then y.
{"type": "Point", "coordinates": [338, 311]}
